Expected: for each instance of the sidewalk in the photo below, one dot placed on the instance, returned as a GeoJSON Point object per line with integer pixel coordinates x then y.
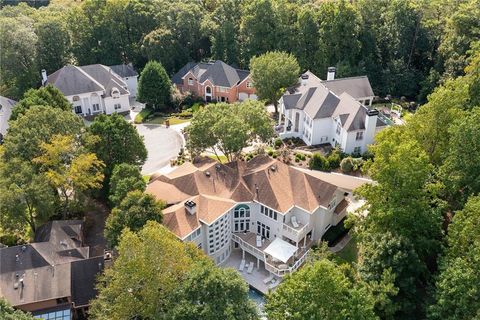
{"type": "Point", "coordinates": [339, 246]}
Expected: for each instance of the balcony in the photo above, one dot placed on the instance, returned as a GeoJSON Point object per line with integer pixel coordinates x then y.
{"type": "Point", "coordinates": [281, 269]}
{"type": "Point", "coordinates": [340, 211]}
{"type": "Point", "coordinates": [292, 233]}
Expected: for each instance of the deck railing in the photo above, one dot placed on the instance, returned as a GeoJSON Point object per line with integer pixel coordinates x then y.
{"type": "Point", "coordinates": [282, 272]}
{"type": "Point", "coordinates": [294, 234]}
{"type": "Point", "coordinates": [248, 247]}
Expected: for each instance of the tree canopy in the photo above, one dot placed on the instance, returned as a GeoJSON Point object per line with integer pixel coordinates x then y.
{"type": "Point", "coordinates": [157, 276]}
{"type": "Point", "coordinates": [133, 212]}
{"type": "Point", "coordinates": [119, 143]}
{"type": "Point", "coordinates": [320, 291]}
{"type": "Point", "coordinates": [125, 178]}
{"type": "Point", "coordinates": [7, 312]}
{"type": "Point", "coordinates": [155, 87]}
{"type": "Point", "coordinates": [44, 96]}
{"type": "Point", "coordinates": [272, 73]}
{"type": "Point", "coordinates": [228, 128]}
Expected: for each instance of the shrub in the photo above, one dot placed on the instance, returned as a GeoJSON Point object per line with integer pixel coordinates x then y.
{"type": "Point", "coordinates": [334, 159]}
{"type": "Point", "coordinates": [143, 115]}
{"type": "Point", "coordinates": [367, 155]}
{"type": "Point", "coordinates": [357, 163]}
{"type": "Point", "coordinates": [185, 114]}
{"type": "Point", "coordinates": [270, 153]}
{"type": "Point", "coordinates": [278, 143]}
{"type": "Point", "coordinates": [347, 165]}
{"type": "Point", "coordinates": [319, 162]}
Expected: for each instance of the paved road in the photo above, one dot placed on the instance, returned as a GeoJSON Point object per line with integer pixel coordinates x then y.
{"type": "Point", "coordinates": [162, 145]}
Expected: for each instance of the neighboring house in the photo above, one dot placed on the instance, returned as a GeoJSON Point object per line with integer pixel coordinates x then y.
{"type": "Point", "coordinates": [92, 89]}
{"type": "Point", "coordinates": [224, 208]}
{"type": "Point", "coordinates": [333, 111]}
{"type": "Point", "coordinates": [215, 81]}
{"type": "Point", "coordinates": [6, 106]}
{"type": "Point", "coordinates": [129, 76]}
{"type": "Point", "coordinates": [53, 277]}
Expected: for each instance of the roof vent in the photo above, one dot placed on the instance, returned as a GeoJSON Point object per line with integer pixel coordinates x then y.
{"type": "Point", "coordinates": [63, 243]}
{"type": "Point", "coordinates": [273, 167]}
{"type": "Point", "coordinates": [191, 207]}
{"type": "Point", "coordinates": [207, 173]}
{"type": "Point", "coordinates": [24, 248]}
{"type": "Point", "coordinates": [218, 166]}
{"type": "Point", "coordinates": [372, 112]}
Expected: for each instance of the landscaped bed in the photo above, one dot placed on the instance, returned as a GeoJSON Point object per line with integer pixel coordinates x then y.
{"type": "Point", "coordinates": [335, 233]}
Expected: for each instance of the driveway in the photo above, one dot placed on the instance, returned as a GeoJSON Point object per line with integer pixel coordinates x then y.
{"type": "Point", "coordinates": [162, 145]}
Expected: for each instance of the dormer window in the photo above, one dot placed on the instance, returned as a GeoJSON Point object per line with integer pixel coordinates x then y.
{"type": "Point", "coordinates": [115, 93]}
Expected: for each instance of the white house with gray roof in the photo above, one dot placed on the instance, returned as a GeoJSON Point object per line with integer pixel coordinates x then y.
{"type": "Point", "coordinates": [331, 112]}
{"type": "Point", "coordinates": [92, 89]}
{"type": "Point", "coordinates": [128, 75]}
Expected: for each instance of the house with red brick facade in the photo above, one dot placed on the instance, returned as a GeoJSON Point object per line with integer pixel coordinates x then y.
{"type": "Point", "coordinates": [215, 81]}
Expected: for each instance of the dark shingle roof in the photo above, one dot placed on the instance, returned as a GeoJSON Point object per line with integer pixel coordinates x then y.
{"type": "Point", "coordinates": [124, 70]}
{"type": "Point", "coordinates": [71, 80]}
{"type": "Point", "coordinates": [84, 273]}
{"type": "Point", "coordinates": [218, 72]}
{"type": "Point", "coordinates": [357, 87]}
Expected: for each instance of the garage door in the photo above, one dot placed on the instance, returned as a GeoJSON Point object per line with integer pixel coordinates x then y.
{"type": "Point", "coordinates": [242, 96]}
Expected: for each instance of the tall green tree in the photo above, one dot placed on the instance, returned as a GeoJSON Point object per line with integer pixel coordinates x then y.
{"type": "Point", "coordinates": [26, 198]}
{"type": "Point", "coordinates": [70, 169]}
{"type": "Point", "coordinates": [38, 125]}
{"type": "Point", "coordinates": [119, 143]}
{"type": "Point", "coordinates": [320, 291]}
{"type": "Point", "coordinates": [457, 293]}
{"type": "Point", "coordinates": [44, 96]}
{"type": "Point", "coordinates": [18, 71]}
{"type": "Point", "coordinates": [213, 293]}
{"type": "Point", "coordinates": [228, 128]}
{"type": "Point", "coordinates": [272, 73]}
{"type": "Point", "coordinates": [133, 212]}
{"type": "Point", "coordinates": [179, 278]}
{"type": "Point", "coordinates": [53, 45]}
{"type": "Point", "coordinates": [125, 178]}
{"type": "Point", "coordinates": [155, 87]}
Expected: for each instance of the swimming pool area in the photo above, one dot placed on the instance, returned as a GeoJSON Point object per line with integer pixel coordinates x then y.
{"type": "Point", "coordinates": [259, 300]}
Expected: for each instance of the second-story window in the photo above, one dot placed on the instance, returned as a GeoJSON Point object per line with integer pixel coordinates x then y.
{"type": "Point", "coordinates": [190, 81]}
{"type": "Point", "coordinates": [249, 84]}
{"type": "Point", "coordinates": [241, 218]}
{"type": "Point", "coordinates": [359, 135]}
{"type": "Point", "coordinates": [339, 128]}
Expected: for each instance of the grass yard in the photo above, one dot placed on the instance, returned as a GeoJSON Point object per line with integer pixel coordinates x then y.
{"type": "Point", "coordinates": [349, 254]}
{"type": "Point", "coordinates": [223, 159]}
{"type": "Point", "coordinates": [161, 120]}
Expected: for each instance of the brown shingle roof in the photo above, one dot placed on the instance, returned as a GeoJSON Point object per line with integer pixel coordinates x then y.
{"type": "Point", "coordinates": [215, 188]}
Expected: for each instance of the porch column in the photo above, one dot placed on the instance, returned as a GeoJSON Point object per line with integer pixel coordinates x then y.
{"type": "Point", "coordinates": [258, 263]}
{"type": "Point", "coordinates": [279, 118]}
{"type": "Point", "coordinates": [243, 254]}
{"type": "Point", "coordinates": [305, 241]}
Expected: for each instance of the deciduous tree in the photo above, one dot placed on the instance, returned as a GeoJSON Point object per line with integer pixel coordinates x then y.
{"type": "Point", "coordinates": [44, 96]}
{"type": "Point", "coordinates": [133, 212]}
{"type": "Point", "coordinates": [272, 73]}
{"type": "Point", "coordinates": [125, 178]}
{"type": "Point", "coordinates": [70, 169]}
{"type": "Point", "coordinates": [7, 312]}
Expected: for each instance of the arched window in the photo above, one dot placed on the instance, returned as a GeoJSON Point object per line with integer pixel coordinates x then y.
{"type": "Point", "coordinates": [208, 90]}
{"type": "Point", "coordinates": [241, 218]}
{"type": "Point", "coordinates": [115, 93]}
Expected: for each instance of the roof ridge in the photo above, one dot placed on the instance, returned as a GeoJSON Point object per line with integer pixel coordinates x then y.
{"type": "Point", "coordinates": [89, 76]}
{"type": "Point", "coordinates": [346, 78]}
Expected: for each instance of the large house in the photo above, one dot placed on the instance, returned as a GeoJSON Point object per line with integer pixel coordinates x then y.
{"type": "Point", "coordinates": [215, 81]}
{"type": "Point", "coordinates": [92, 89]}
{"type": "Point", "coordinates": [335, 112]}
{"type": "Point", "coordinates": [53, 277]}
{"type": "Point", "coordinates": [6, 106]}
{"type": "Point", "coordinates": [263, 210]}
{"type": "Point", "coordinates": [128, 75]}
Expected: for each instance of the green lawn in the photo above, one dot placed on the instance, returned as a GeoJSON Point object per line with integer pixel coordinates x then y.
{"type": "Point", "coordinates": [223, 159]}
{"type": "Point", "coordinates": [161, 120]}
{"type": "Point", "coordinates": [349, 254]}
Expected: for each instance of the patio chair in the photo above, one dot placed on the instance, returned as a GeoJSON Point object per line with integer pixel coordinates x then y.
{"type": "Point", "coordinates": [259, 241]}
{"type": "Point", "coordinates": [242, 265]}
{"type": "Point", "coordinates": [268, 279]}
{"type": "Point", "coordinates": [294, 222]}
{"type": "Point", "coordinates": [275, 282]}
{"type": "Point", "coordinates": [250, 267]}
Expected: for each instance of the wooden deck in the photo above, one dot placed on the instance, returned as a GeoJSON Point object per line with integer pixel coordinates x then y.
{"type": "Point", "coordinates": [254, 279]}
